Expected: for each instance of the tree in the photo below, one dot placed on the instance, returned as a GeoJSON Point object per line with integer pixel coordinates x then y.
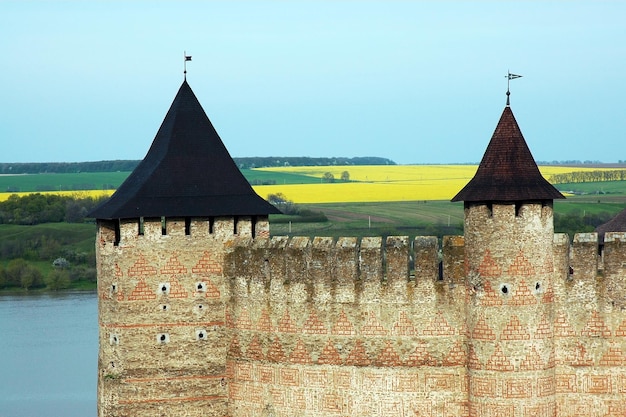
{"type": "Point", "coordinates": [345, 176]}
{"type": "Point", "coordinates": [61, 263]}
{"type": "Point", "coordinates": [58, 279]}
{"type": "Point", "coordinates": [15, 269]}
{"type": "Point", "coordinates": [280, 201]}
{"type": "Point", "coordinates": [31, 277]}
{"type": "Point", "coordinates": [328, 177]}
{"type": "Point", "coordinates": [3, 277]}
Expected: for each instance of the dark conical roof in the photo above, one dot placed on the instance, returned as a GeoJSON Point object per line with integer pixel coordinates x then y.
{"type": "Point", "coordinates": [186, 172]}
{"type": "Point", "coordinates": [507, 171]}
{"type": "Point", "coordinates": [616, 224]}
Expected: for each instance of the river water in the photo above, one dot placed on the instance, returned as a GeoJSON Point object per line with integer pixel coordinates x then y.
{"type": "Point", "coordinates": [48, 355]}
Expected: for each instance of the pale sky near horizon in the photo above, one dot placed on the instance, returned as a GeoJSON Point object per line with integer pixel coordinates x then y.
{"type": "Point", "coordinates": [412, 81]}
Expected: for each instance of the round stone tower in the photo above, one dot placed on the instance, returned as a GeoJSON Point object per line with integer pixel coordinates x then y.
{"type": "Point", "coordinates": [509, 266]}
{"type": "Point", "coordinates": [159, 248]}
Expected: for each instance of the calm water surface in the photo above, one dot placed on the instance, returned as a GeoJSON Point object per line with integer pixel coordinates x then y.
{"type": "Point", "coordinates": [48, 355]}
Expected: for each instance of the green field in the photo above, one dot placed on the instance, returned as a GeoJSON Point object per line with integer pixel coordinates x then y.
{"type": "Point", "coordinates": [109, 180]}
{"type": "Point", "coordinates": [604, 188]}
{"type": "Point", "coordinates": [255, 176]}
{"type": "Point", "coordinates": [40, 245]}
{"type": "Point", "coordinates": [62, 182]}
{"type": "Point", "coordinates": [376, 219]}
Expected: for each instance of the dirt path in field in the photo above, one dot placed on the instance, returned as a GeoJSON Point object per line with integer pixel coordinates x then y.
{"type": "Point", "coordinates": [344, 216]}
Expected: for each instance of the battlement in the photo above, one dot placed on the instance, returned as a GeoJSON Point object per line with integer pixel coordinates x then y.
{"type": "Point", "coordinates": [126, 231]}
{"type": "Point", "coordinates": [398, 260]}
{"type": "Point", "coordinates": [345, 270]}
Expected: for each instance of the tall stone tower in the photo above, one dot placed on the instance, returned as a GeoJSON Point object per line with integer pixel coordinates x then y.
{"type": "Point", "coordinates": [159, 247]}
{"type": "Point", "coordinates": [509, 267]}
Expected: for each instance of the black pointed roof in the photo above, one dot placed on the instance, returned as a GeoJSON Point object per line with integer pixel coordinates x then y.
{"type": "Point", "coordinates": [186, 173]}
{"type": "Point", "coordinates": [507, 171]}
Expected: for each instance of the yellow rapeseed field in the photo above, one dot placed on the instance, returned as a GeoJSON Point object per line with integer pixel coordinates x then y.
{"type": "Point", "coordinates": [368, 183]}
{"type": "Point", "coordinates": [383, 182]}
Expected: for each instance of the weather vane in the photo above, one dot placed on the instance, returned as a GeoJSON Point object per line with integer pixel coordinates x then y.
{"type": "Point", "coordinates": [509, 77]}
{"type": "Point", "coordinates": [187, 58]}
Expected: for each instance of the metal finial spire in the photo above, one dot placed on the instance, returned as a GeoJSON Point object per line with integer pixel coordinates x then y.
{"type": "Point", "coordinates": [509, 77]}
{"type": "Point", "coordinates": [187, 58]}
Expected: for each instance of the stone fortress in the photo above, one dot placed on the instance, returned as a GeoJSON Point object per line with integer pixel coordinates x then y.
{"type": "Point", "coordinates": [201, 313]}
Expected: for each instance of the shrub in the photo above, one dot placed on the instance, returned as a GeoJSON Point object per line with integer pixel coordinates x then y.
{"type": "Point", "coordinates": [58, 279]}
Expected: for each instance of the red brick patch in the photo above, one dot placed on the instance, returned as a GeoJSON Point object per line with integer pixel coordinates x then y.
{"type": "Point", "coordinates": [499, 362]}
{"type": "Point", "coordinates": [595, 327]}
{"type": "Point", "coordinates": [330, 355]}
{"type": "Point", "coordinates": [141, 292]}
{"type": "Point", "coordinates": [313, 325]}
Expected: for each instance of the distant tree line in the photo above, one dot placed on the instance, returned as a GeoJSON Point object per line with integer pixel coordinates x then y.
{"type": "Point", "coordinates": [571, 162]}
{"type": "Point", "coordinates": [22, 255]}
{"type": "Point", "coordinates": [45, 208]}
{"type": "Point", "coordinates": [67, 167]}
{"type": "Point", "coordinates": [579, 222]}
{"type": "Point", "coordinates": [589, 176]}
{"type": "Point", "coordinates": [294, 212]}
{"type": "Point", "coordinates": [129, 165]}
{"type": "Point", "coordinates": [272, 161]}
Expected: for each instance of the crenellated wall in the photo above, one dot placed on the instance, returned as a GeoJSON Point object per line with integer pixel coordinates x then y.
{"type": "Point", "coordinates": [590, 325]}
{"type": "Point", "coordinates": [337, 328]}
{"type": "Point", "coordinates": [162, 299]}
{"type": "Point", "coordinates": [200, 318]}
{"type": "Point", "coordinates": [322, 327]}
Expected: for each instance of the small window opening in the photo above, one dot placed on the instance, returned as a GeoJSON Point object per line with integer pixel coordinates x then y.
{"type": "Point", "coordinates": [504, 289]}
{"type": "Point", "coordinates": [211, 224]}
{"type": "Point", "coordinates": [199, 306]}
{"type": "Point", "coordinates": [118, 234]}
{"type": "Point", "coordinates": [163, 226]}
{"type": "Point", "coordinates": [235, 221]}
{"type": "Point", "coordinates": [187, 226]}
{"type": "Point", "coordinates": [518, 207]}
{"type": "Point", "coordinates": [253, 226]}
{"type": "Point", "coordinates": [440, 274]}
{"type": "Point", "coordinates": [141, 227]}
{"type": "Point", "coordinates": [490, 209]}
{"type": "Point", "coordinates": [537, 286]}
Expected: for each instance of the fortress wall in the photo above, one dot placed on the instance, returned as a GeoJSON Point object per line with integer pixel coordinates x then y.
{"type": "Point", "coordinates": [162, 298]}
{"type": "Point", "coordinates": [323, 327]}
{"type": "Point", "coordinates": [589, 326]}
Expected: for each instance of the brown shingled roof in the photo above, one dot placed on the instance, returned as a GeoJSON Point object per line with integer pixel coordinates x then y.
{"type": "Point", "coordinates": [186, 173]}
{"type": "Point", "coordinates": [616, 224]}
{"type": "Point", "coordinates": [507, 171]}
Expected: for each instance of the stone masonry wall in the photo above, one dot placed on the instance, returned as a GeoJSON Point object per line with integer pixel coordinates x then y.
{"type": "Point", "coordinates": [161, 315]}
{"type": "Point", "coordinates": [325, 328]}
{"type": "Point", "coordinates": [194, 322]}
{"type": "Point", "coordinates": [590, 326]}
{"type": "Point", "coordinates": [341, 328]}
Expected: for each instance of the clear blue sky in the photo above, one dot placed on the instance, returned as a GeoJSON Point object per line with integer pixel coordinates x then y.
{"type": "Point", "coordinates": [413, 81]}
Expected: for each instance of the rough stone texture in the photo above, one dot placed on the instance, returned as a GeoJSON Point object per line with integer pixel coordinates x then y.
{"type": "Point", "coordinates": [205, 320]}
{"type": "Point", "coordinates": [162, 315]}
